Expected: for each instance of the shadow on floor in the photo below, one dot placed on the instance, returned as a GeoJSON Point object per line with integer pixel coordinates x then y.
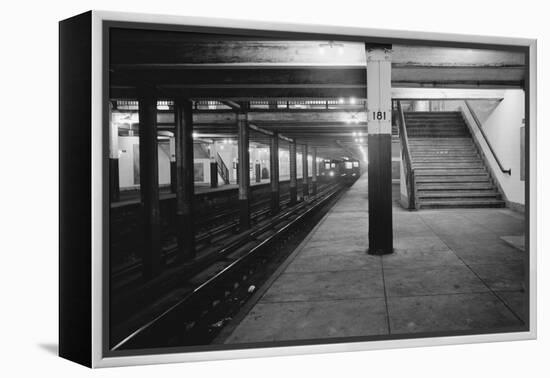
{"type": "Point", "coordinates": [51, 348]}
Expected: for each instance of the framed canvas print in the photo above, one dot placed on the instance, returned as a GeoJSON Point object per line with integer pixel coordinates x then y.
{"type": "Point", "coordinates": [234, 189]}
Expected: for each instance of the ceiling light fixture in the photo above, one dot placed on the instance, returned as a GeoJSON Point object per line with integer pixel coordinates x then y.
{"type": "Point", "coordinates": [330, 45]}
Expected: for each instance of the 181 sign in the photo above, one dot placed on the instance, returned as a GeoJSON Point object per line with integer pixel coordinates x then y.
{"type": "Point", "coordinates": [379, 116]}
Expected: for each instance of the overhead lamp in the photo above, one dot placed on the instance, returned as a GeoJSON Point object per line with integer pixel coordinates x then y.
{"type": "Point", "coordinates": [352, 100]}
{"type": "Point", "coordinates": [195, 135]}
{"type": "Point", "coordinates": [354, 133]}
{"type": "Point", "coordinates": [332, 44]}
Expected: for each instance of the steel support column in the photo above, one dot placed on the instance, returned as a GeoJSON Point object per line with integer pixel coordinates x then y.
{"type": "Point", "coordinates": [305, 178]}
{"type": "Point", "coordinates": [185, 185]}
{"type": "Point", "coordinates": [173, 167]}
{"type": "Point", "coordinates": [274, 174]}
{"type": "Point", "coordinates": [213, 173]}
{"type": "Point", "coordinates": [293, 180]}
{"type": "Point", "coordinates": [314, 171]}
{"type": "Point", "coordinates": [379, 149]}
{"type": "Point", "coordinates": [114, 183]}
{"type": "Point", "coordinates": [149, 183]}
{"type": "Point", "coordinates": [244, 170]}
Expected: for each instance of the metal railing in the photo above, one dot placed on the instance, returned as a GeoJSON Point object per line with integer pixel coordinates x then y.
{"type": "Point", "coordinates": [479, 126]}
{"type": "Point", "coordinates": [223, 171]}
{"type": "Point", "coordinates": [407, 159]}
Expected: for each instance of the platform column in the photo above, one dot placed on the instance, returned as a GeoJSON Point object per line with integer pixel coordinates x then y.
{"type": "Point", "coordinates": [244, 169]}
{"type": "Point", "coordinates": [185, 185]}
{"type": "Point", "coordinates": [173, 166]}
{"type": "Point", "coordinates": [213, 173]}
{"type": "Point", "coordinates": [274, 176]}
{"type": "Point", "coordinates": [149, 183]}
{"type": "Point", "coordinates": [305, 178]}
{"type": "Point", "coordinates": [293, 180]}
{"type": "Point", "coordinates": [379, 148]}
{"type": "Point", "coordinates": [258, 171]}
{"type": "Point", "coordinates": [114, 183]}
{"type": "Point", "coordinates": [314, 171]}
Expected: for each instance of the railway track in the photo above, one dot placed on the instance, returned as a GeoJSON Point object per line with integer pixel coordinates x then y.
{"type": "Point", "coordinates": [208, 229]}
{"type": "Point", "coordinates": [203, 310]}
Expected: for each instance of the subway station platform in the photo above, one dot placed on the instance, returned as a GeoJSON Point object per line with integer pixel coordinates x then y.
{"type": "Point", "coordinates": [452, 270]}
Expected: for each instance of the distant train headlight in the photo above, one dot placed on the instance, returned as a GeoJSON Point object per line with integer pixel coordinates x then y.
{"type": "Point", "coordinates": [353, 174]}
{"type": "Point", "coordinates": [331, 173]}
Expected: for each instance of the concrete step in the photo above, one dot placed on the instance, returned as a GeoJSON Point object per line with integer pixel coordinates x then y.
{"type": "Point", "coordinates": [445, 161]}
{"type": "Point", "coordinates": [460, 203]}
{"type": "Point", "coordinates": [435, 129]}
{"type": "Point", "coordinates": [436, 134]}
{"type": "Point", "coordinates": [450, 172]}
{"type": "Point", "coordinates": [442, 165]}
{"type": "Point", "coordinates": [443, 150]}
{"type": "Point", "coordinates": [436, 125]}
{"type": "Point", "coordinates": [413, 142]}
{"type": "Point", "coordinates": [457, 194]}
{"type": "Point", "coordinates": [440, 139]}
{"type": "Point", "coordinates": [431, 139]}
{"type": "Point", "coordinates": [481, 185]}
{"type": "Point", "coordinates": [446, 158]}
{"type": "Point", "coordinates": [438, 179]}
{"type": "Point", "coordinates": [433, 114]}
{"type": "Point", "coordinates": [435, 122]}
{"type": "Point", "coordinates": [412, 128]}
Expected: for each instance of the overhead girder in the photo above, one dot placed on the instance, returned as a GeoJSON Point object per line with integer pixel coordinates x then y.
{"type": "Point", "coordinates": [232, 69]}
{"type": "Point", "coordinates": [145, 47]}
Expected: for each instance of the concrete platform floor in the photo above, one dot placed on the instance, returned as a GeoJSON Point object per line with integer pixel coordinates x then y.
{"type": "Point", "coordinates": [451, 271]}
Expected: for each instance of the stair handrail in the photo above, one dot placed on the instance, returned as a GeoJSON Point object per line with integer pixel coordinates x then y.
{"type": "Point", "coordinates": [222, 168]}
{"type": "Point", "coordinates": [409, 171]}
{"type": "Point", "coordinates": [479, 126]}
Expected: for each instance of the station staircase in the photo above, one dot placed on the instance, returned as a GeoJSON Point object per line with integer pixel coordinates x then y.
{"type": "Point", "coordinates": [448, 170]}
